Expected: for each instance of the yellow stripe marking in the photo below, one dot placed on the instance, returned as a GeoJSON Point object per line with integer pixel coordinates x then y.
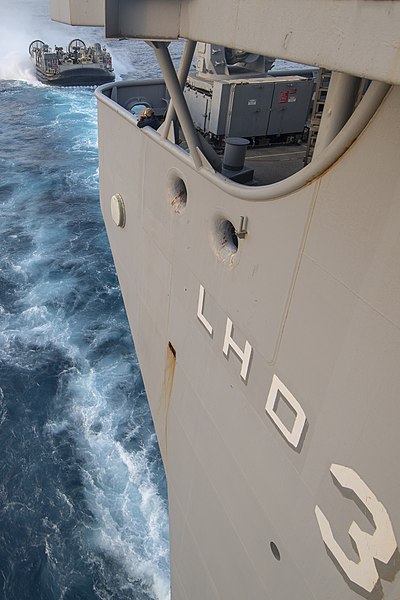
{"type": "Point", "coordinates": [269, 155]}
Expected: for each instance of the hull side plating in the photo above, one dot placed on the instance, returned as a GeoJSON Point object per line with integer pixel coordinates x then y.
{"type": "Point", "coordinates": [313, 291]}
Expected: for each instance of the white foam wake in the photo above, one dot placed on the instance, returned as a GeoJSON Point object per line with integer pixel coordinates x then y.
{"type": "Point", "coordinates": [119, 486]}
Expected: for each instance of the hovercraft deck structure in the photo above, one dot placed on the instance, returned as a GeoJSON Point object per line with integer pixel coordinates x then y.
{"type": "Point", "coordinates": [78, 65]}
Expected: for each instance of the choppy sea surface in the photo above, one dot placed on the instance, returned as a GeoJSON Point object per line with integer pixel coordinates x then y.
{"type": "Point", "coordinates": [83, 504]}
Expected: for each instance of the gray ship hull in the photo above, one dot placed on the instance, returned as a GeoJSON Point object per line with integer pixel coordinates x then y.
{"type": "Point", "coordinates": [250, 444]}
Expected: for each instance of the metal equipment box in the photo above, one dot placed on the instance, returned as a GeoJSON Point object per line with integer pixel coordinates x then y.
{"type": "Point", "coordinates": [290, 105]}
{"type": "Point", "coordinates": [256, 107]}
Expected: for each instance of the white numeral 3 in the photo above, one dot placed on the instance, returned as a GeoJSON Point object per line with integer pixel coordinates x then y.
{"type": "Point", "coordinates": [381, 545]}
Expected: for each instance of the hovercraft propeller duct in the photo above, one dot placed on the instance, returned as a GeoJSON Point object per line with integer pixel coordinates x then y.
{"type": "Point", "coordinates": [35, 46]}
{"type": "Point", "coordinates": [76, 45]}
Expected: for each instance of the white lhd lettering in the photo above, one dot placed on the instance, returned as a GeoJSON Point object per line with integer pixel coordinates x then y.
{"type": "Point", "coordinates": [294, 435]}
{"type": "Point", "coordinates": [244, 355]}
{"type": "Point", "coordinates": [200, 308]}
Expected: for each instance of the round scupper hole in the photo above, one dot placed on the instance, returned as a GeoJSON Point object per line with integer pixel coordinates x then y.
{"type": "Point", "coordinates": [275, 551]}
{"type": "Point", "coordinates": [177, 193]}
{"type": "Point", "coordinates": [225, 240]}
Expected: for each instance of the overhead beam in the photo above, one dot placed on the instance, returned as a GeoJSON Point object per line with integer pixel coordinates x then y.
{"type": "Point", "coordinates": [358, 37]}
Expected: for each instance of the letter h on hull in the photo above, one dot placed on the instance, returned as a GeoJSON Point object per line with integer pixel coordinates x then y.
{"type": "Point", "coordinates": [229, 342]}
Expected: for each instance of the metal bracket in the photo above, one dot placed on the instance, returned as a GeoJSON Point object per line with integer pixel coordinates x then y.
{"type": "Point", "coordinates": [242, 230]}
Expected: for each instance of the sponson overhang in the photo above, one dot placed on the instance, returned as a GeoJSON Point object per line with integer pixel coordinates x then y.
{"type": "Point", "coordinates": [306, 31]}
{"type": "Point", "coordinates": [78, 12]}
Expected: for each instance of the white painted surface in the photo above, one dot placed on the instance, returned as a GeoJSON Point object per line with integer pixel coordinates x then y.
{"type": "Point", "coordinates": [294, 435]}
{"type": "Point", "coordinates": [380, 546]}
{"type": "Point", "coordinates": [244, 355]}
{"type": "Point", "coordinates": [200, 308]}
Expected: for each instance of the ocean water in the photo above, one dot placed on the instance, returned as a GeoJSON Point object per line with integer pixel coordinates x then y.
{"type": "Point", "coordinates": [83, 503]}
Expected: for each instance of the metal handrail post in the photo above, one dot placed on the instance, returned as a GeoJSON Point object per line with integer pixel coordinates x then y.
{"type": "Point", "coordinates": [339, 107]}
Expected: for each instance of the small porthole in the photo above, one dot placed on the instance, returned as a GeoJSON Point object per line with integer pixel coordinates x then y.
{"type": "Point", "coordinates": [230, 236]}
{"type": "Point", "coordinates": [136, 109]}
{"type": "Point", "coordinates": [224, 239]}
{"type": "Point", "coordinates": [275, 551]}
{"type": "Point", "coordinates": [177, 193]}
